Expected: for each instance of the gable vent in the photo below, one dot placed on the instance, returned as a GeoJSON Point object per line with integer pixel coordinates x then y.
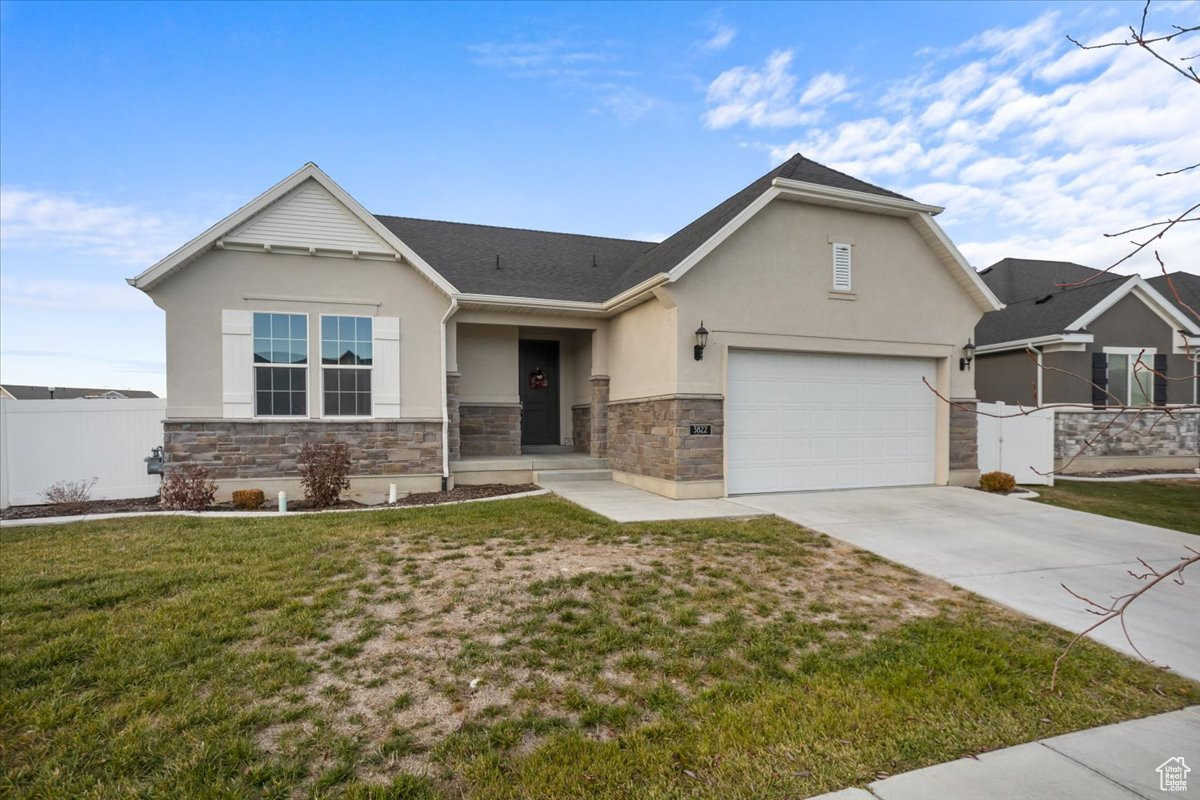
{"type": "Point", "coordinates": [841, 267]}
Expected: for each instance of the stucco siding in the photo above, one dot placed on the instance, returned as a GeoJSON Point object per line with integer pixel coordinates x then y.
{"type": "Point", "coordinates": [194, 297]}
{"type": "Point", "coordinates": [487, 360]}
{"type": "Point", "coordinates": [643, 349]}
{"type": "Point", "coordinates": [772, 280]}
{"type": "Point", "coordinates": [1009, 377]}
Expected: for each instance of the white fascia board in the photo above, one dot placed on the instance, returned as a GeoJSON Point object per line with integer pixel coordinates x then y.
{"type": "Point", "coordinates": [953, 259]}
{"type": "Point", "coordinates": [697, 255]}
{"type": "Point", "coordinates": [816, 193]}
{"type": "Point", "coordinates": [1037, 341]}
{"type": "Point", "coordinates": [1138, 286]}
{"type": "Point", "coordinates": [205, 240]}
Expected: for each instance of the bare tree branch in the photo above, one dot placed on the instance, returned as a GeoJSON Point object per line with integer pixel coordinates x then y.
{"type": "Point", "coordinates": [1117, 607]}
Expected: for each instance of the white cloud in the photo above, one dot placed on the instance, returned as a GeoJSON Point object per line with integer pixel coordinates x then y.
{"type": "Point", "coordinates": [48, 220]}
{"type": "Point", "coordinates": [722, 36]}
{"type": "Point", "coordinates": [1036, 148]}
{"type": "Point", "coordinates": [825, 87]}
{"type": "Point", "coordinates": [627, 103]}
{"type": "Point", "coordinates": [648, 236]}
{"type": "Point", "coordinates": [767, 97]}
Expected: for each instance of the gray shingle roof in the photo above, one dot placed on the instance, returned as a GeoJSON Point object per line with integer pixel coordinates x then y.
{"type": "Point", "coordinates": [563, 266]}
{"type": "Point", "coordinates": [1037, 303]}
{"type": "Point", "coordinates": [1188, 286]}
{"type": "Point", "coordinates": [25, 392]}
{"type": "Point", "coordinates": [559, 266]}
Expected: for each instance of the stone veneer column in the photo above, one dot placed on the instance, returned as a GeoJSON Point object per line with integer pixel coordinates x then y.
{"type": "Point", "coordinates": [964, 442]}
{"type": "Point", "coordinates": [598, 418]}
{"type": "Point", "coordinates": [453, 437]}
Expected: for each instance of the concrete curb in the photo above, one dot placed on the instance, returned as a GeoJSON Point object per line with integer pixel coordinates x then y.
{"type": "Point", "coordinates": [20, 523]}
{"type": "Point", "coordinates": [1128, 478]}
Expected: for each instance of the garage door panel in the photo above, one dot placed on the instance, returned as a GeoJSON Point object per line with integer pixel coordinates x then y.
{"type": "Point", "coordinates": [798, 421]}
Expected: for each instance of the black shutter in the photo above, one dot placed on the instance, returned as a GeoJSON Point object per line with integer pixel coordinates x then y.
{"type": "Point", "coordinates": [1160, 379]}
{"type": "Point", "coordinates": [1099, 380]}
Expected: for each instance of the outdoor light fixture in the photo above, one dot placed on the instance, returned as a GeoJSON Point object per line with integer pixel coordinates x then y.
{"type": "Point", "coordinates": [968, 356]}
{"type": "Point", "coordinates": [701, 341]}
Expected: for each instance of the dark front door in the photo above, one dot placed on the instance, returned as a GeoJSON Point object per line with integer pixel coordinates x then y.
{"type": "Point", "coordinates": [539, 392]}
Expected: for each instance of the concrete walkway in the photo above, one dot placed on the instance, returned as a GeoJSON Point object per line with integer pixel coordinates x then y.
{"type": "Point", "coordinates": [626, 504]}
{"type": "Point", "coordinates": [1017, 553]}
{"type": "Point", "coordinates": [1117, 761]}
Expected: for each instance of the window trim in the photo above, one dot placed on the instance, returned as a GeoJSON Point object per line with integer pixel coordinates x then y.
{"type": "Point", "coordinates": [369, 367]}
{"type": "Point", "coordinates": [307, 363]}
{"type": "Point", "coordinates": [1133, 353]}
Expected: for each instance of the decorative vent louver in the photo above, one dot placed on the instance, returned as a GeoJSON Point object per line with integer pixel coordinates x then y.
{"type": "Point", "coordinates": [841, 268]}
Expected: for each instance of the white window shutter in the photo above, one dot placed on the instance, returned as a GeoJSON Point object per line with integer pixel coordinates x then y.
{"type": "Point", "coordinates": [237, 363]}
{"type": "Point", "coordinates": [841, 267]}
{"type": "Point", "coordinates": [385, 368]}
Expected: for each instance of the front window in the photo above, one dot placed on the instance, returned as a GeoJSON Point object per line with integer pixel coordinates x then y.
{"type": "Point", "coordinates": [280, 365]}
{"type": "Point", "coordinates": [346, 366]}
{"type": "Point", "coordinates": [1130, 379]}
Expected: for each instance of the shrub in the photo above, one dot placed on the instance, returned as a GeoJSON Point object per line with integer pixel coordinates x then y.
{"type": "Point", "coordinates": [323, 473]}
{"type": "Point", "coordinates": [248, 499]}
{"type": "Point", "coordinates": [69, 492]}
{"type": "Point", "coordinates": [999, 482]}
{"type": "Point", "coordinates": [187, 489]}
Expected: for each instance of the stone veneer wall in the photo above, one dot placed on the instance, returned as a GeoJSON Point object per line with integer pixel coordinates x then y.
{"type": "Point", "coordinates": [1150, 434]}
{"type": "Point", "coordinates": [964, 436]}
{"type": "Point", "coordinates": [581, 428]}
{"type": "Point", "coordinates": [489, 430]}
{"type": "Point", "coordinates": [258, 449]}
{"type": "Point", "coordinates": [650, 437]}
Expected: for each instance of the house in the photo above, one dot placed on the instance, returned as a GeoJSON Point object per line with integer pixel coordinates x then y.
{"type": "Point", "coordinates": [790, 338]}
{"type": "Point", "coordinates": [13, 391]}
{"type": "Point", "coordinates": [1086, 341]}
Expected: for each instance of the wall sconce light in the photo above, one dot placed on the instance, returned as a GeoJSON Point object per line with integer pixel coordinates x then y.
{"type": "Point", "coordinates": [968, 356]}
{"type": "Point", "coordinates": [701, 341]}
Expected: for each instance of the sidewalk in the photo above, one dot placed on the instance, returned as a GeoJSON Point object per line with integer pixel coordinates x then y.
{"type": "Point", "coordinates": [1117, 761]}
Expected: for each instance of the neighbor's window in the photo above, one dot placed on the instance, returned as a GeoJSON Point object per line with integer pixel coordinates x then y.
{"type": "Point", "coordinates": [841, 268]}
{"type": "Point", "coordinates": [1131, 381]}
{"type": "Point", "coordinates": [280, 365]}
{"type": "Point", "coordinates": [346, 365]}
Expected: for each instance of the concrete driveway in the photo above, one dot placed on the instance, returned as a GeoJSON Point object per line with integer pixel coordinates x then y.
{"type": "Point", "coordinates": [1017, 552]}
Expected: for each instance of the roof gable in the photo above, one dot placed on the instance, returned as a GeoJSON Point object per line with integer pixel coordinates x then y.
{"type": "Point", "coordinates": [309, 216]}
{"type": "Point", "coordinates": [234, 222]}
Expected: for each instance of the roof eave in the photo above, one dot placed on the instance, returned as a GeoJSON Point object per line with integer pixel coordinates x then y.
{"type": "Point", "coordinates": [832, 195]}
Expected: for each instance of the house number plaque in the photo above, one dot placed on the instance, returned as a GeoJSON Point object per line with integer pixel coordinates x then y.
{"type": "Point", "coordinates": [700, 430]}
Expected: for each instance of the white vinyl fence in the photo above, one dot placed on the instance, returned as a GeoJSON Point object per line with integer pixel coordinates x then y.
{"type": "Point", "coordinates": [43, 442]}
{"type": "Point", "coordinates": [1021, 444]}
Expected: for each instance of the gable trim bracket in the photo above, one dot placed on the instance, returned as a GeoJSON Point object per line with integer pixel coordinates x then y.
{"type": "Point", "coordinates": [919, 214]}
{"type": "Point", "coordinates": [310, 171]}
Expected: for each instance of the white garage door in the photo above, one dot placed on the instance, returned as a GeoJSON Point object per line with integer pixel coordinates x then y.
{"type": "Point", "coordinates": [798, 421]}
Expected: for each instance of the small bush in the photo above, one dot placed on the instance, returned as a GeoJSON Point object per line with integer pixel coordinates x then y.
{"type": "Point", "coordinates": [69, 492]}
{"type": "Point", "coordinates": [324, 471]}
{"type": "Point", "coordinates": [187, 489]}
{"type": "Point", "coordinates": [248, 499]}
{"type": "Point", "coordinates": [999, 482]}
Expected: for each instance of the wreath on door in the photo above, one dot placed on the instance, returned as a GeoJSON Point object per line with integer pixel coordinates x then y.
{"type": "Point", "coordinates": [537, 380]}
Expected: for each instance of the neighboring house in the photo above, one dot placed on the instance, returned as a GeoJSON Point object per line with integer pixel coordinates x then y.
{"type": "Point", "coordinates": [1080, 338]}
{"type": "Point", "coordinates": [14, 391]}
{"type": "Point", "coordinates": [828, 305]}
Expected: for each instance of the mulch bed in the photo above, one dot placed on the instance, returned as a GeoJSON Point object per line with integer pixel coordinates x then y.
{"type": "Point", "coordinates": [150, 504]}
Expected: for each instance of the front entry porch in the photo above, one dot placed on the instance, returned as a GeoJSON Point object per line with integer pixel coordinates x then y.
{"type": "Point", "coordinates": [520, 392]}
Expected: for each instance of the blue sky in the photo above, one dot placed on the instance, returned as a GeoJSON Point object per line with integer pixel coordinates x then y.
{"type": "Point", "coordinates": [126, 129]}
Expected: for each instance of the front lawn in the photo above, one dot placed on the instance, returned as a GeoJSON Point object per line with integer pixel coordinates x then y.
{"type": "Point", "coordinates": [1166, 503]}
{"type": "Point", "coordinates": [512, 649]}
